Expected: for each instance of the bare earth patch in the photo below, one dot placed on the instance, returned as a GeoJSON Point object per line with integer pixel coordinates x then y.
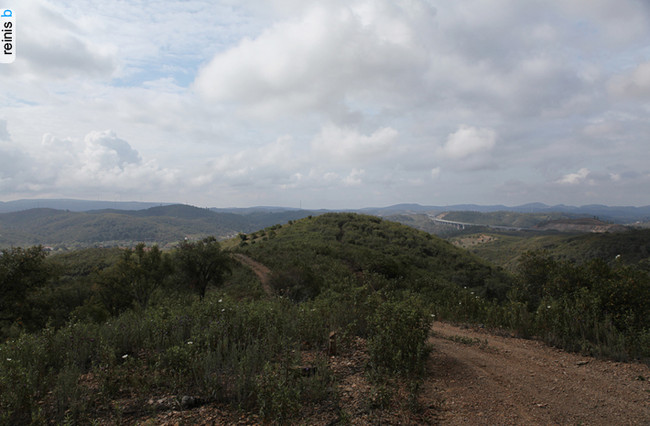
{"type": "Point", "coordinates": [473, 240]}
{"type": "Point", "coordinates": [517, 381]}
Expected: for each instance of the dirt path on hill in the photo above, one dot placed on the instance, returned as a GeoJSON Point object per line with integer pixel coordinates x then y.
{"type": "Point", "coordinates": [506, 381]}
{"type": "Point", "coordinates": [263, 273]}
{"type": "Point", "coordinates": [517, 381]}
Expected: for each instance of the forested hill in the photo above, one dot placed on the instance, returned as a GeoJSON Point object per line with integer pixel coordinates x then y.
{"type": "Point", "coordinates": [334, 245]}
{"type": "Point", "coordinates": [160, 224]}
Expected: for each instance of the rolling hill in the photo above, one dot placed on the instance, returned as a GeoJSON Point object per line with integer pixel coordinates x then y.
{"type": "Point", "coordinates": [160, 224]}
{"type": "Point", "coordinates": [336, 245]}
{"type": "Point", "coordinates": [505, 248]}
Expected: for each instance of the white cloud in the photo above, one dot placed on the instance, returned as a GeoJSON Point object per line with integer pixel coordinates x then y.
{"type": "Point", "coordinates": [328, 59]}
{"type": "Point", "coordinates": [52, 46]}
{"type": "Point", "coordinates": [354, 178]}
{"type": "Point", "coordinates": [574, 178]}
{"type": "Point", "coordinates": [274, 163]}
{"type": "Point", "coordinates": [105, 150]}
{"type": "Point", "coordinates": [348, 145]}
{"type": "Point", "coordinates": [101, 161]}
{"type": "Point", "coordinates": [468, 141]}
{"type": "Point", "coordinates": [250, 102]}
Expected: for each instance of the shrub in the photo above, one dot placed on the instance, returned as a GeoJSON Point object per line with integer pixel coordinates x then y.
{"type": "Point", "coordinates": [398, 338]}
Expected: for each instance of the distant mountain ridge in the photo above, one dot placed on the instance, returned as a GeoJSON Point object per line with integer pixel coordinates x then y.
{"type": "Point", "coordinates": [74, 205]}
{"type": "Point", "coordinates": [618, 214]}
{"type": "Point", "coordinates": [111, 227]}
{"type": "Point", "coordinates": [75, 223]}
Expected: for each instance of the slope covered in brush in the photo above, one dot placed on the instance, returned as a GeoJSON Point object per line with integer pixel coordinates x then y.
{"type": "Point", "coordinates": [309, 254]}
{"type": "Point", "coordinates": [505, 249]}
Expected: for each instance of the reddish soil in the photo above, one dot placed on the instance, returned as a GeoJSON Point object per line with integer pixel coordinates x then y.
{"type": "Point", "coordinates": [473, 240]}
{"type": "Point", "coordinates": [474, 378]}
{"type": "Point", "coordinates": [517, 381]}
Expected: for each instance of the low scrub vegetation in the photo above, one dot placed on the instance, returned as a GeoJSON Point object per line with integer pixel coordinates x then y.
{"type": "Point", "coordinates": [100, 333]}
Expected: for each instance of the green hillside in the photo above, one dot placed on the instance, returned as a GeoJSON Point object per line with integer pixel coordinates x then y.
{"type": "Point", "coordinates": [87, 336]}
{"type": "Point", "coordinates": [162, 225]}
{"type": "Point", "coordinates": [505, 249]}
{"type": "Point", "coordinates": [333, 246]}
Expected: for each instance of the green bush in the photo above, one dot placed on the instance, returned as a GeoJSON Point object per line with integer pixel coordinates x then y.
{"type": "Point", "coordinates": [277, 393]}
{"type": "Point", "coordinates": [398, 338]}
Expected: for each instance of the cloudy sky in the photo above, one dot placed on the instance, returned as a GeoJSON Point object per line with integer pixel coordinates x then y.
{"type": "Point", "coordinates": [328, 104]}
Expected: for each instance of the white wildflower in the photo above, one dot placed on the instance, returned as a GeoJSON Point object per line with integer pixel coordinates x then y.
{"type": "Point", "coordinates": [125, 356]}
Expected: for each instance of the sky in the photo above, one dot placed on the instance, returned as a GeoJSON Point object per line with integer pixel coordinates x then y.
{"type": "Point", "coordinates": [328, 104]}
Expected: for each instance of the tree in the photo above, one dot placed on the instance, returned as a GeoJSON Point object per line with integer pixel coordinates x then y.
{"type": "Point", "coordinates": [202, 263]}
{"type": "Point", "coordinates": [135, 277]}
{"type": "Point", "coordinates": [151, 268]}
{"type": "Point", "coordinates": [21, 270]}
{"type": "Point", "coordinates": [536, 270]}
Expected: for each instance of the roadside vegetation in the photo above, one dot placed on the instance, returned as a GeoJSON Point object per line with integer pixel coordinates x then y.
{"type": "Point", "coordinates": [99, 333]}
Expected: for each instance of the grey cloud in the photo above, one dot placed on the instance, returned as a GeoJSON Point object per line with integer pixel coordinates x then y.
{"type": "Point", "coordinates": [633, 84]}
{"type": "Point", "coordinates": [318, 61]}
{"type": "Point", "coordinates": [65, 57]}
{"type": "Point", "coordinates": [107, 144]}
{"type": "Point", "coordinates": [14, 164]}
{"type": "Point", "coordinates": [53, 47]}
{"type": "Point", "coordinates": [563, 86]}
{"type": "Point", "coordinates": [4, 133]}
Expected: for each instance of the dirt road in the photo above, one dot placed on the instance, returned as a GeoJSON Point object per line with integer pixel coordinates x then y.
{"type": "Point", "coordinates": [516, 381]}
{"type": "Point", "coordinates": [481, 378]}
{"type": "Point", "coordinates": [262, 272]}
{"type": "Point", "coordinates": [505, 381]}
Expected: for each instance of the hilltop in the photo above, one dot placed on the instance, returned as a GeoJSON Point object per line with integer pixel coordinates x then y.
{"type": "Point", "coordinates": [335, 245]}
